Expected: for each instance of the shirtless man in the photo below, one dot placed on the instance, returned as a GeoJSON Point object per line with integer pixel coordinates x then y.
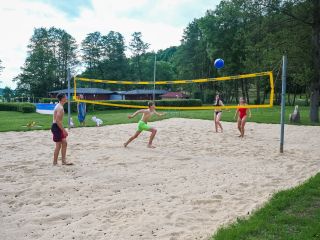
{"type": "Point", "coordinates": [58, 131]}
{"type": "Point", "coordinates": [143, 124]}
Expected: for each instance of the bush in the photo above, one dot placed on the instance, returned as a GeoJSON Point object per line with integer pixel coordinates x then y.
{"type": "Point", "coordinates": [48, 100]}
{"type": "Point", "coordinates": [27, 108]}
{"type": "Point", "coordinates": [162, 103]}
{"type": "Point", "coordinates": [18, 107]}
{"type": "Point", "coordinates": [171, 103]}
{"type": "Point", "coordinates": [8, 106]}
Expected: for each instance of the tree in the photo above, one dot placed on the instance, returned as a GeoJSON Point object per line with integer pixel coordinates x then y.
{"type": "Point", "coordinates": [65, 53]}
{"type": "Point", "coordinates": [138, 47]}
{"type": "Point", "coordinates": [92, 52]}
{"type": "Point", "coordinates": [50, 53]}
{"type": "Point", "coordinates": [114, 64]}
{"type": "Point", "coordinates": [308, 13]}
{"type": "Point", "coordinates": [8, 94]}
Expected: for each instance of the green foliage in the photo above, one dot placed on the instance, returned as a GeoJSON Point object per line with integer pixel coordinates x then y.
{"type": "Point", "coordinates": [48, 100]}
{"type": "Point", "coordinates": [92, 50]}
{"type": "Point", "coordinates": [8, 106]}
{"type": "Point", "coordinates": [172, 103]}
{"type": "Point", "coordinates": [8, 94]}
{"type": "Point", "coordinates": [18, 107]}
{"type": "Point", "coordinates": [27, 108]}
{"type": "Point", "coordinates": [137, 47]}
{"type": "Point", "coordinates": [50, 53]}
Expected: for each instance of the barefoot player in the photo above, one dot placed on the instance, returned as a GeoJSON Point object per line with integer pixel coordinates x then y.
{"type": "Point", "coordinates": [143, 123]}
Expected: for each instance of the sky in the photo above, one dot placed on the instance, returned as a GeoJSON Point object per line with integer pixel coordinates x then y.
{"type": "Point", "coordinates": [161, 23]}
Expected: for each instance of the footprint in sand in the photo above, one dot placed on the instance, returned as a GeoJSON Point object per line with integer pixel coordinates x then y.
{"type": "Point", "coordinates": [169, 215]}
{"type": "Point", "coordinates": [184, 159]}
{"type": "Point", "coordinates": [244, 185]}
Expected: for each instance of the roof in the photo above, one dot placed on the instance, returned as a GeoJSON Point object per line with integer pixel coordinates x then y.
{"type": "Point", "coordinates": [174, 95]}
{"type": "Point", "coordinates": [144, 92]}
{"type": "Point", "coordinates": [85, 91]}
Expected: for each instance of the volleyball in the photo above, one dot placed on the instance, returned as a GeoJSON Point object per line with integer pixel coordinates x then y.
{"type": "Point", "coordinates": [218, 63]}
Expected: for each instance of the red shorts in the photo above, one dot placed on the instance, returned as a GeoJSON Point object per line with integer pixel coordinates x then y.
{"type": "Point", "coordinates": [57, 133]}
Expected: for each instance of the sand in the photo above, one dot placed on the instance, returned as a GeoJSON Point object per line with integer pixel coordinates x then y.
{"type": "Point", "coordinates": [192, 183]}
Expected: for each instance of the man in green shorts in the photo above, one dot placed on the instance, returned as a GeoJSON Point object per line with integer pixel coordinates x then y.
{"type": "Point", "coordinates": [143, 123]}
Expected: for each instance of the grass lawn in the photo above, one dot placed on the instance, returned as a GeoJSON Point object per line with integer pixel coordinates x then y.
{"type": "Point", "coordinates": [16, 121]}
{"type": "Point", "coordinates": [293, 214]}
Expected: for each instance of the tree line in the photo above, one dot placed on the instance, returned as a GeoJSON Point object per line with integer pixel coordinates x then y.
{"type": "Point", "coordinates": [250, 35]}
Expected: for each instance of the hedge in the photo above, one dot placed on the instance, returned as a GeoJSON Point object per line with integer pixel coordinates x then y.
{"type": "Point", "coordinates": [171, 103]}
{"type": "Point", "coordinates": [48, 100]}
{"type": "Point", "coordinates": [18, 107]}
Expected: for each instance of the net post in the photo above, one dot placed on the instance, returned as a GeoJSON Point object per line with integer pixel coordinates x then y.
{"type": "Point", "coordinates": [69, 108]}
{"type": "Point", "coordinates": [154, 76]}
{"type": "Point", "coordinates": [283, 100]}
{"type": "Point", "coordinates": [74, 88]}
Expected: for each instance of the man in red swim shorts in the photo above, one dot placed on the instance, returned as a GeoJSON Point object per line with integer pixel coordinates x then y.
{"type": "Point", "coordinates": [59, 133]}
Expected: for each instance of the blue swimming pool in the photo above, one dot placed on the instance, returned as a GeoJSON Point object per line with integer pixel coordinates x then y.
{"type": "Point", "coordinates": [45, 108]}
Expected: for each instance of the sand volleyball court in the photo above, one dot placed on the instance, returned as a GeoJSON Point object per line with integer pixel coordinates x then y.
{"type": "Point", "coordinates": [192, 183]}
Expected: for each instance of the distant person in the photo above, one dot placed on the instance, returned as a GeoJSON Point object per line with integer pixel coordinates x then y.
{"type": "Point", "coordinates": [59, 133]}
{"type": "Point", "coordinates": [82, 111]}
{"type": "Point", "coordinates": [143, 124]}
{"type": "Point", "coordinates": [218, 113]}
{"type": "Point", "coordinates": [242, 116]}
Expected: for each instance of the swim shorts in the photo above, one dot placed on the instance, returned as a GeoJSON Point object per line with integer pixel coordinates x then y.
{"type": "Point", "coordinates": [57, 133]}
{"type": "Point", "coordinates": [142, 126]}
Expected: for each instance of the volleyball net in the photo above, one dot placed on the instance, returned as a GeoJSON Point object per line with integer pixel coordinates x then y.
{"type": "Point", "coordinates": [256, 88]}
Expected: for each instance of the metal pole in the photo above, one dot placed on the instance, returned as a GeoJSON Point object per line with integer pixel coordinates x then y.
{"type": "Point", "coordinates": [154, 76]}
{"type": "Point", "coordinates": [283, 100]}
{"type": "Point", "coordinates": [69, 108]}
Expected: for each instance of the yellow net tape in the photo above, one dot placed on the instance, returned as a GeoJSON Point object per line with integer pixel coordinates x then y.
{"type": "Point", "coordinates": [202, 80]}
{"type": "Point", "coordinates": [251, 75]}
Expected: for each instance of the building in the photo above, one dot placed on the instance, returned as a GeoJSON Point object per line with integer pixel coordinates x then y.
{"type": "Point", "coordinates": [88, 93]}
{"type": "Point", "coordinates": [142, 94]}
{"type": "Point", "coordinates": [102, 94]}
{"type": "Point", "coordinates": [174, 95]}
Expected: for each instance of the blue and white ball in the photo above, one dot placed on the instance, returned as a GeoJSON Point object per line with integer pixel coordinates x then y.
{"type": "Point", "coordinates": [218, 63]}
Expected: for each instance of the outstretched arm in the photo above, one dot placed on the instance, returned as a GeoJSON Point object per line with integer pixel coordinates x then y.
{"type": "Point", "coordinates": [221, 104]}
{"type": "Point", "coordinates": [159, 114]}
{"type": "Point", "coordinates": [135, 114]}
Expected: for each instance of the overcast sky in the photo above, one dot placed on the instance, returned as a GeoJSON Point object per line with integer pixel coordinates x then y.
{"type": "Point", "coordinates": [160, 21]}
